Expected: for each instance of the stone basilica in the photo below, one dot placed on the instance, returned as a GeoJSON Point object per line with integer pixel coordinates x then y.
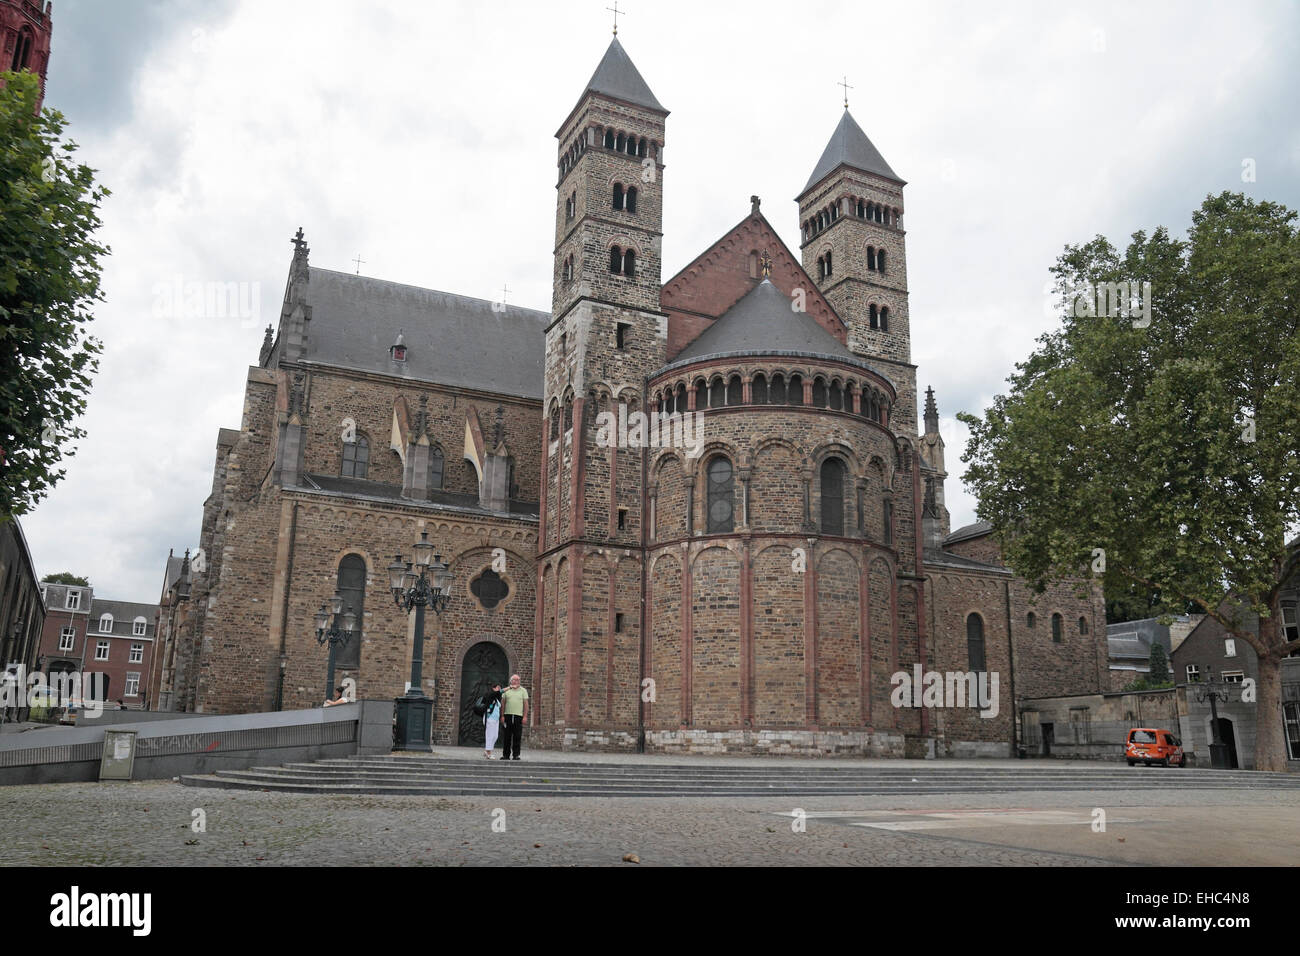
{"type": "Point", "coordinates": [754, 592]}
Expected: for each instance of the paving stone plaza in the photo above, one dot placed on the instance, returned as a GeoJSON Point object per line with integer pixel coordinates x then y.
{"type": "Point", "coordinates": [154, 823]}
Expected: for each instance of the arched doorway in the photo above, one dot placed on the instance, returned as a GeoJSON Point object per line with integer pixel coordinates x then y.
{"type": "Point", "coordinates": [1229, 738]}
{"type": "Point", "coordinates": [485, 664]}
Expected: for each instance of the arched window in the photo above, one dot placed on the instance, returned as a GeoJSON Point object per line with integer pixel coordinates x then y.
{"type": "Point", "coordinates": [884, 318]}
{"type": "Point", "coordinates": [1030, 620]}
{"type": "Point", "coordinates": [777, 395]}
{"type": "Point", "coordinates": [758, 389]}
{"type": "Point", "coordinates": [629, 263]}
{"type": "Point", "coordinates": [555, 422]}
{"type": "Point", "coordinates": [794, 393]}
{"type": "Point", "coordinates": [835, 396]}
{"type": "Point", "coordinates": [356, 458]}
{"type": "Point", "coordinates": [22, 51]}
{"type": "Point", "coordinates": [821, 267]}
{"type": "Point", "coordinates": [753, 265]}
{"type": "Point", "coordinates": [886, 216]}
{"type": "Point", "coordinates": [631, 145]}
{"type": "Point", "coordinates": [832, 496]}
{"type": "Point", "coordinates": [871, 258]}
{"type": "Point", "coordinates": [352, 587]}
{"type": "Point", "coordinates": [631, 199]}
{"type": "Point", "coordinates": [875, 317]}
{"type": "Point", "coordinates": [1056, 629]}
{"type": "Point", "coordinates": [680, 405]}
{"type": "Point", "coordinates": [975, 642]}
{"type": "Point", "coordinates": [641, 147]}
{"type": "Point", "coordinates": [880, 261]}
{"type": "Point", "coordinates": [619, 142]}
{"type": "Point", "coordinates": [701, 396]}
{"type": "Point", "coordinates": [618, 195]}
{"type": "Point", "coordinates": [436, 466]}
{"type": "Point", "coordinates": [871, 210]}
{"type": "Point", "coordinates": [884, 412]}
{"type": "Point", "coordinates": [829, 270]}
{"type": "Point", "coordinates": [861, 210]}
{"type": "Point", "coordinates": [615, 260]}
{"type": "Point", "coordinates": [721, 496]}
{"type": "Point", "coordinates": [735, 391]}
{"type": "Point", "coordinates": [819, 392]}
{"type": "Point", "coordinates": [879, 213]}
{"type": "Point", "coordinates": [568, 414]}
{"type": "Point", "coordinates": [568, 269]}
{"type": "Point", "coordinates": [717, 394]}
{"type": "Point", "coordinates": [1083, 625]}
{"type": "Point", "coordinates": [889, 521]}
{"type": "Point", "coordinates": [609, 139]}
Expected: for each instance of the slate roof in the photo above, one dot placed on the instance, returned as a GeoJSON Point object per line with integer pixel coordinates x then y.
{"type": "Point", "coordinates": [174, 564]}
{"type": "Point", "coordinates": [381, 491]}
{"type": "Point", "coordinates": [450, 339]}
{"type": "Point", "coordinates": [762, 323]}
{"type": "Point", "coordinates": [124, 614]}
{"type": "Point", "coordinates": [617, 76]}
{"type": "Point", "coordinates": [849, 146]}
{"type": "Point", "coordinates": [976, 530]}
{"type": "Point", "coordinates": [956, 561]}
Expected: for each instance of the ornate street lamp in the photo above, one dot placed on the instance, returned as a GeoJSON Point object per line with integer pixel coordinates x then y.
{"type": "Point", "coordinates": [1213, 691]}
{"type": "Point", "coordinates": [427, 584]}
{"type": "Point", "coordinates": [334, 626]}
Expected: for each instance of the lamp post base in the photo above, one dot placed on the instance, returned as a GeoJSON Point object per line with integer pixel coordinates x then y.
{"type": "Point", "coordinates": [414, 722]}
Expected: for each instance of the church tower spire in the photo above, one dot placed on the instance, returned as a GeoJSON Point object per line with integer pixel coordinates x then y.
{"type": "Point", "coordinates": [851, 224]}
{"type": "Point", "coordinates": [608, 332]}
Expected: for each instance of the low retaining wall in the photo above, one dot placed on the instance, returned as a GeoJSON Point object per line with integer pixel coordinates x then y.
{"type": "Point", "coordinates": [192, 744]}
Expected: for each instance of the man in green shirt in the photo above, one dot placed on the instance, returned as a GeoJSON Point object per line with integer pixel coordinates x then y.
{"type": "Point", "coordinates": [514, 707]}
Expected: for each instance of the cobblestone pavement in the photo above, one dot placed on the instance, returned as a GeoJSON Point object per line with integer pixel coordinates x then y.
{"type": "Point", "coordinates": [150, 824]}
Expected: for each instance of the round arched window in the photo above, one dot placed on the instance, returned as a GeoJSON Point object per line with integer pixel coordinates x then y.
{"type": "Point", "coordinates": [721, 495]}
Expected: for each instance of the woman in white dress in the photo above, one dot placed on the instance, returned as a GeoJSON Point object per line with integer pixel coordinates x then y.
{"type": "Point", "coordinates": [492, 721]}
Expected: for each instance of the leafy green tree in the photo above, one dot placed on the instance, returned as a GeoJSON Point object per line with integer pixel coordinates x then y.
{"type": "Point", "coordinates": [1158, 668]}
{"type": "Point", "coordinates": [1164, 454]}
{"type": "Point", "coordinates": [49, 279]}
{"type": "Point", "coordinates": [65, 577]}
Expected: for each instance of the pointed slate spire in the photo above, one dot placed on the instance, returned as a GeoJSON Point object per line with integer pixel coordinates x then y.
{"type": "Point", "coordinates": [618, 77]}
{"type": "Point", "coordinates": [849, 146]}
{"type": "Point", "coordinates": [931, 413]}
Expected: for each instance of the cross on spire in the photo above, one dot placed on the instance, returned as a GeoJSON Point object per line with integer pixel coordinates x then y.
{"type": "Point", "coordinates": [358, 260]}
{"type": "Point", "coordinates": [846, 86]}
{"type": "Point", "coordinates": [616, 11]}
{"type": "Point", "coordinates": [299, 243]}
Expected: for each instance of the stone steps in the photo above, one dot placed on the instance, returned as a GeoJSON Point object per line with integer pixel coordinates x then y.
{"type": "Point", "coordinates": [432, 776]}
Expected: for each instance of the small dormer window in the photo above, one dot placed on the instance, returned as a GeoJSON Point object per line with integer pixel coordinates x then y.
{"type": "Point", "coordinates": [398, 350]}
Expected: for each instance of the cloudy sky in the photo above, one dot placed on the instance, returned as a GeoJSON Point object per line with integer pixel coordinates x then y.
{"type": "Point", "coordinates": [420, 136]}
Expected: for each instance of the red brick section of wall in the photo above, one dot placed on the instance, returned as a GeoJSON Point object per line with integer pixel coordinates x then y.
{"type": "Point", "coordinates": [722, 274]}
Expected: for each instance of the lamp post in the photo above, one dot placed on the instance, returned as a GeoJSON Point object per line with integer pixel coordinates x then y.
{"type": "Point", "coordinates": [328, 630]}
{"type": "Point", "coordinates": [1210, 692]}
{"type": "Point", "coordinates": [428, 584]}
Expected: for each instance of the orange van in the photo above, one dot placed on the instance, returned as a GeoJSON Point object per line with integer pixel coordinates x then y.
{"type": "Point", "coordinates": [1154, 745]}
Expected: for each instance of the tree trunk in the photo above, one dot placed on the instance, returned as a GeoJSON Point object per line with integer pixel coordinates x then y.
{"type": "Point", "coordinates": [1270, 747]}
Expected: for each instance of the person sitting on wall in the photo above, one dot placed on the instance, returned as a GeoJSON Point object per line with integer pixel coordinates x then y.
{"type": "Point", "coordinates": [338, 698]}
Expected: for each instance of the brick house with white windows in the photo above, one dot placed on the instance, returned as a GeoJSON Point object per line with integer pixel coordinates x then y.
{"type": "Point", "coordinates": [97, 636]}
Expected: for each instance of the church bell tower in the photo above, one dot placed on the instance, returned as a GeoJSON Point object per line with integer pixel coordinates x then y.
{"type": "Point", "coordinates": [607, 333]}
{"type": "Point", "coordinates": [851, 233]}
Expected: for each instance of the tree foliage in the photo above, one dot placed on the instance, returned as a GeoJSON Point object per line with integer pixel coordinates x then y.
{"type": "Point", "coordinates": [1164, 454]}
{"type": "Point", "coordinates": [49, 280]}
{"type": "Point", "coordinates": [66, 577]}
{"type": "Point", "coordinates": [1158, 667]}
